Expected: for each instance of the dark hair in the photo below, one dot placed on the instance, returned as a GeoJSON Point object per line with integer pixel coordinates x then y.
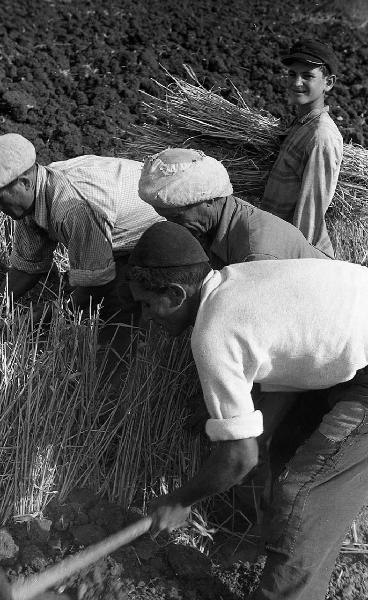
{"type": "Point", "coordinates": [158, 279]}
{"type": "Point", "coordinates": [325, 70]}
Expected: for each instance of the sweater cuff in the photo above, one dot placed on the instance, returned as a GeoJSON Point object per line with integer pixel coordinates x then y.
{"type": "Point", "coordinates": [236, 428]}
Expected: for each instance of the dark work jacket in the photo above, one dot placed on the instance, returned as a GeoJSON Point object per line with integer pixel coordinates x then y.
{"type": "Point", "coordinates": [246, 233]}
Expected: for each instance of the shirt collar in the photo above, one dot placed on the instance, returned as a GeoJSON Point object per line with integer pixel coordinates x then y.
{"type": "Point", "coordinates": [220, 239]}
{"type": "Point", "coordinates": [307, 118]}
{"type": "Point", "coordinates": [312, 115]}
{"type": "Point", "coordinates": [41, 213]}
{"type": "Point", "coordinates": [210, 282]}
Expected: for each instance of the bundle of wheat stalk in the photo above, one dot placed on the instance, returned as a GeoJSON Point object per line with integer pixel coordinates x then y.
{"type": "Point", "coordinates": [154, 451]}
{"type": "Point", "coordinates": [51, 410]}
{"type": "Point", "coordinates": [247, 141]}
{"type": "Point", "coordinates": [63, 425]}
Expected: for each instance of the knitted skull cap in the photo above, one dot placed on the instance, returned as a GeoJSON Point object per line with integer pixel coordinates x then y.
{"type": "Point", "coordinates": [167, 244]}
{"type": "Point", "coordinates": [17, 155]}
{"type": "Point", "coordinates": [181, 177]}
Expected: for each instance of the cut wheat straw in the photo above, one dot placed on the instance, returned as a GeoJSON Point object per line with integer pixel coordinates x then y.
{"type": "Point", "coordinates": [153, 449]}
{"type": "Point", "coordinates": [247, 141]}
{"type": "Point", "coordinates": [51, 410]}
{"type": "Point", "coordinates": [62, 425]}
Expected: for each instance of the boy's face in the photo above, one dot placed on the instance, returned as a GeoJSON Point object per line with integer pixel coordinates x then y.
{"type": "Point", "coordinates": [307, 85]}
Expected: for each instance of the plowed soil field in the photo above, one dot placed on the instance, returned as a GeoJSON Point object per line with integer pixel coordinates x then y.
{"type": "Point", "coordinates": [71, 71]}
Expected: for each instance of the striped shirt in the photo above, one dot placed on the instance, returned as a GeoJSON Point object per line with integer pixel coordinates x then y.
{"type": "Point", "coordinates": [303, 179]}
{"type": "Point", "coordinates": [90, 204]}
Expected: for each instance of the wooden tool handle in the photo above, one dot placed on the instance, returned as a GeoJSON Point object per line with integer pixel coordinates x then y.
{"type": "Point", "coordinates": [37, 584]}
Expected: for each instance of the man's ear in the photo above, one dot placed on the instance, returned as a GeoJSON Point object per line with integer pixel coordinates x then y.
{"type": "Point", "coordinates": [177, 294]}
{"type": "Point", "coordinates": [25, 181]}
{"type": "Point", "coordinates": [330, 82]}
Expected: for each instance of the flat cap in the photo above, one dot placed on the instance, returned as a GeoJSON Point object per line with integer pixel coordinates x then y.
{"type": "Point", "coordinates": [167, 244]}
{"type": "Point", "coordinates": [313, 52]}
{"type": "Point", "coordinates": [17, 154]}
{"type": "Point", "coordinates": [181, 177]}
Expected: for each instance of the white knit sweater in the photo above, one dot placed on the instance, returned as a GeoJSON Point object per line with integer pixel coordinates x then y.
{"type": "Point", "coordinates": [289, 325]}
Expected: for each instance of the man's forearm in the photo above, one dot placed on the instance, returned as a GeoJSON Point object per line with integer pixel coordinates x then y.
{"type": "Point", "coordinates": [227, 465]}
{"type": "Point", "coordinates": [18, 282]}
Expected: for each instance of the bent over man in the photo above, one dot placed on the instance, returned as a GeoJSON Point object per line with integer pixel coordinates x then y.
{"type": "Point", "coordinates": [194, 190]}
{"type": "Point", "coordinates": [90, 204]}
{"type": "Point", "coordinates": [288, 325]}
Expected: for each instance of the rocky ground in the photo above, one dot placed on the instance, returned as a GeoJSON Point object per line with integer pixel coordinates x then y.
{"type": "Point", "coordinates": [71, 73]}
{"type": "Point", "coordinates": [147, 569]}
{"type": "Point", "coordinates": [144, 570]}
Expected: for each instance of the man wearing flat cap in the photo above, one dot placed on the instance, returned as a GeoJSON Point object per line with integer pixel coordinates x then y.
{"type": "Point", "coordinates": [303, 180]}
{"type": "Point", "coordinates": [90, 204]}
{"type": "Point", "coordinates": [193, 189]}
{"type": "Point", "coordinates": [287, 325]}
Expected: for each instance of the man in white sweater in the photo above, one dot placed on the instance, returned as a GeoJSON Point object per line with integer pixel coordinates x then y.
{"type": "Point", "coordinates": [287, 325]}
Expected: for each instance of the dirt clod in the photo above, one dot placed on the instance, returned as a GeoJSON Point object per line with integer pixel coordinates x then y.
{"type": "Point", "coordinates": [32, 556]}
{"type": "Point", "coordinates": [107, 515]}
{"type": "Point", "coordinates": [88, 534]}
{"type": "Point", "coordinates": [146, 549]}
{"type": "Point", "coordinates": [188, 562]}
{"type": "Point", "coordinates": [39, 529]}
{"type": "Point", "coordinates": [8, 548]}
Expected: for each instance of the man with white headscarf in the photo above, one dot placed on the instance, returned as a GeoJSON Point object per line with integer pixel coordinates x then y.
{"type": "Point", "coordinates": [194, 190]}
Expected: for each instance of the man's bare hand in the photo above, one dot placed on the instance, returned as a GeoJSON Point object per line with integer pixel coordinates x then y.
{"type": "Point", "coordinates": [167, 514]}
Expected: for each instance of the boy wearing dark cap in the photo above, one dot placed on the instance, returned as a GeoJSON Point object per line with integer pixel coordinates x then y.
{"type": "Point", "coordinates": [303, 179]}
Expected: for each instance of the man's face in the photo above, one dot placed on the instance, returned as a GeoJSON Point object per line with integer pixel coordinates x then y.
{"type": "Point", "coordinates": [162, 309]}
{"type": "Point", "coordinates": [307, 84]}
{"type": "Point", "coordinates": [16, 199]}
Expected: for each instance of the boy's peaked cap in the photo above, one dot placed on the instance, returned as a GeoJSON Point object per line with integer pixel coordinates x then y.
{"type": "Point", "coordinates": [313, 52]}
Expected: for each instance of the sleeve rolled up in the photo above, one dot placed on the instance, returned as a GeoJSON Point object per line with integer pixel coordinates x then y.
{"type": "Point", "coordinates": [235, 428]}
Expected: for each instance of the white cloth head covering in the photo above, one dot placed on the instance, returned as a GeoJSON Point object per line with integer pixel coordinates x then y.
{"type": "Point", "coordinates": [17, 155]}
{"type": "Point", "coordinates": [180, 177]}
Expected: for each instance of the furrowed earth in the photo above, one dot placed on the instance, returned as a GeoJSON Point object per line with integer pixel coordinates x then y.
{"type": "Point", "coordinates": [71, 73]}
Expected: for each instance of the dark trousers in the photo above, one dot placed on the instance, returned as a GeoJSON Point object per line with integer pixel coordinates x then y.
{"type": "Point", "coordinates": [317, 497]}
